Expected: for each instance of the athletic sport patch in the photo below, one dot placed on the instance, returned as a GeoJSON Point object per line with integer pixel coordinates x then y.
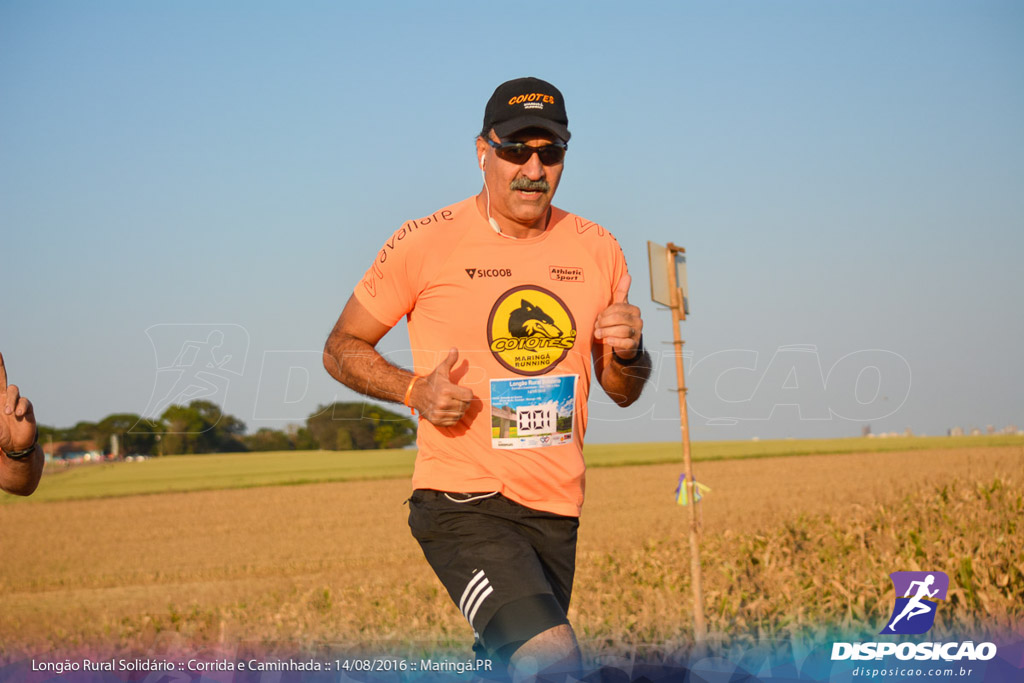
{"type": "Point", "coordinates": [533, 412]}
{"type": "Point", "coordinates": [566, 273]}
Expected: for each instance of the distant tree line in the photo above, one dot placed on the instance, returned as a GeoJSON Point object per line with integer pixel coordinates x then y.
{"type": "Point", "coordinates": [202, 427]}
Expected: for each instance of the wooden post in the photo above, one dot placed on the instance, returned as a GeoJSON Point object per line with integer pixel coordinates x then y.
{"type": "Point", "coordinates": [678, 315]}
{"type": "Point", "coordinates": [506, 416]}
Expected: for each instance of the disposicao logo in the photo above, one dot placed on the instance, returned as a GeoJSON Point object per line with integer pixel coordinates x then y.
{"type": "Point", "coordinates": [914, 612]}
{"type": "Point", "coordinates": [917, 598]}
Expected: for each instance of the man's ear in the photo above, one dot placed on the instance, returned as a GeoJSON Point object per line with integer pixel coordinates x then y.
{"type": "Point", "coordinates": [481, 150]}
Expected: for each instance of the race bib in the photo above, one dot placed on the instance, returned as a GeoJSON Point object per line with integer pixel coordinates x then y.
{"type": "Point", "coordinates": [532, 412]}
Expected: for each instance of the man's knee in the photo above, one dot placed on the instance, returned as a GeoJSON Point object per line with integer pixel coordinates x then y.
{"type": "Point", "coordinates": [550, 655]}
{"type": "Point", "coordinates": [558, 639]}
{"type": "Point", "coordinates": [521, 621]}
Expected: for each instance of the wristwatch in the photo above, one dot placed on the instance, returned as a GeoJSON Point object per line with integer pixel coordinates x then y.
{"type": "Point", "coordinates": [635, 359]}
{"type": "Point", "coordinates": [21, 455]}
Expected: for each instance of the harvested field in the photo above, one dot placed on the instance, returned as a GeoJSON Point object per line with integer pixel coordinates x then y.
{"type": "Point", "coordinates": [215, 472]}
{"type": "Point", "coordinates": [792, 546]}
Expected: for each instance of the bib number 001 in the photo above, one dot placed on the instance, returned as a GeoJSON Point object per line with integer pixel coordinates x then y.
{"type": "Point", "coordinates": [532, 412]}
{"type": "Point", "coordinates": [532, 420]}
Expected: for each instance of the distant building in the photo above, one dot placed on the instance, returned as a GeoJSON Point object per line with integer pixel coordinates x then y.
{"type": "Point", "coordinates": [865, 430]}
{"type": "Point", "coordinates": [956, 431]}
{"type": "Point", "coordinates": [975, 431]}
{"type": "Point", "coordinates": [63, 449]}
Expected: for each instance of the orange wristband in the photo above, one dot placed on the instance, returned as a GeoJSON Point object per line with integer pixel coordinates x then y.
{"type": "Point", "coordinates": [408, 393]}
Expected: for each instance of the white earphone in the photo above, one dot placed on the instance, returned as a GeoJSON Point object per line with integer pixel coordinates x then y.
{"type": "Point", "coordinates": [493, 223]}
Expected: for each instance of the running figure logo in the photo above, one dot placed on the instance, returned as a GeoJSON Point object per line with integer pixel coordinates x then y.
{"type": "Point", "coordinates": [194, 362]}
{"type": "Point", "coordinates": [914, 612]}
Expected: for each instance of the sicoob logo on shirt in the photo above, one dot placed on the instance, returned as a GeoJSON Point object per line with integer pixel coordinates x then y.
{"type": "Point", "coordinates": [530, 330]}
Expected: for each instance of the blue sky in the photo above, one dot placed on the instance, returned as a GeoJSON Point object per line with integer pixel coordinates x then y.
{"type": "Point", "coordinates": [845, 178]}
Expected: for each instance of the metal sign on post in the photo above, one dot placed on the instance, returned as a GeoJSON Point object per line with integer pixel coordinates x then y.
{"type": "Point", "coordinates": [669, 287]}
{"type": "Point", "coordinates": [664, 263]}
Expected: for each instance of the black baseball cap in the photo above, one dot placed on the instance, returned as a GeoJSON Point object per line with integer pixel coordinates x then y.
{"type": "Point", "coordinates": [526, 103]}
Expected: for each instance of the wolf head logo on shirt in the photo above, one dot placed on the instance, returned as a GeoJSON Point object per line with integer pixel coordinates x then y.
{"type": "Point", "coordinates": [530, 330]}
{"type": "Point", "coordinates": [531, 321]}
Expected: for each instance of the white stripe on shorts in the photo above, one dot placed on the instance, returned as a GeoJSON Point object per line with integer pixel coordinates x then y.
{"type": "Point", "coordinates": [483, 596]}
{"type": "Point", "coordinates": [476, 592]}
{"type": "Point", "coordinates": [476, 578]}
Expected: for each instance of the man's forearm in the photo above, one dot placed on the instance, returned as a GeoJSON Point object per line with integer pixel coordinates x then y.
{"type": "Point", "coordinates": [625, 383]}
{"type": "Point", "coordinates": [359, 366]}
{"type": "Point", "coordinates": [21, 477]}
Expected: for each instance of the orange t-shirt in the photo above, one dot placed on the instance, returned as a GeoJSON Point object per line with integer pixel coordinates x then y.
{"type": "Point", "coordinates": [521, 314]}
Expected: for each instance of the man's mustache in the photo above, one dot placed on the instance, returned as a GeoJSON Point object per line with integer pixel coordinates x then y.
{"type": "Point", "coordinates": [529, 185]}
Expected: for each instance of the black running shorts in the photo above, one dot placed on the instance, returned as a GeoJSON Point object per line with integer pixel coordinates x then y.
{"type": "Point", "coordinates": [508, 568]}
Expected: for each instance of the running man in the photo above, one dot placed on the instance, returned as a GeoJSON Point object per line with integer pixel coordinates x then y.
{"type": "Point", "coordinates": [915, 605]}
{"type": "Point", "coordinates": [21, 458]}
{"type": "Point", "coordinates": [513, 305]}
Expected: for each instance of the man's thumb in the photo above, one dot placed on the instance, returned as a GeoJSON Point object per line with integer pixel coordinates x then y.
{"type": "Point", "coordinates": [621, 295]}
{"type": "Point", "coordinates": [448, 363]}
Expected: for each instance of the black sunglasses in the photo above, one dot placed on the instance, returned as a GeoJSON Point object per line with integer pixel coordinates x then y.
{"type": "Point", "coordinates": [520, 152]}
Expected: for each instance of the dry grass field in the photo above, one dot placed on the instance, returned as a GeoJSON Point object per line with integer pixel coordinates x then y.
{"type": "Point", "coordinates": [792, 547]}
